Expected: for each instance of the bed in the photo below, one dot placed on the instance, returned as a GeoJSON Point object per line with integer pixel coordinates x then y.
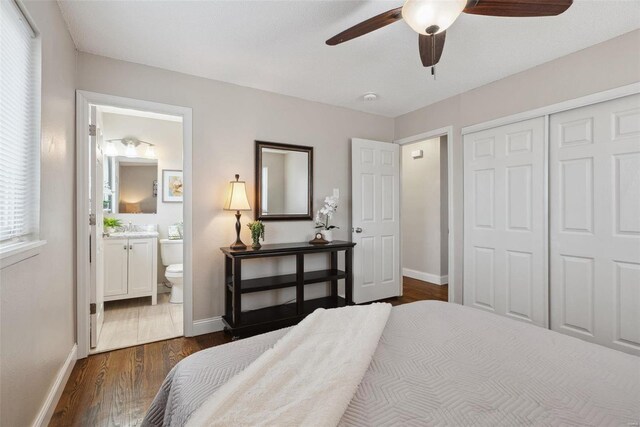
{"type": "Point", "coordinates": [444, 364]}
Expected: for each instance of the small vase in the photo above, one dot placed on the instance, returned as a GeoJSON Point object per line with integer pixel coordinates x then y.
{"type": "Point", "coordinates": [327, 235]}
{"type": "Point", "coordinates": [256, 244]}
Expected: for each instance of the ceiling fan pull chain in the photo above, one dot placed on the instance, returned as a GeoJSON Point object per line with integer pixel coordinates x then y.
{"type": "Point", "coordinates": [433, 53]}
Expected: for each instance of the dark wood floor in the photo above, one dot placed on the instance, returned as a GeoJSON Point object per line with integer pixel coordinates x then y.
{"type": "Point", "coordinates": [117, 387]}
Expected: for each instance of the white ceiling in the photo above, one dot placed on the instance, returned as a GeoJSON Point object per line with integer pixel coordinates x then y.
{"type": "Point", "coordinates": [279, 46]}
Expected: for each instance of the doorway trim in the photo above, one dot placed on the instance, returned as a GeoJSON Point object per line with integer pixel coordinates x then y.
{"type": "Point", "coordinates": [448, 132]}
{"type": "Point", "coordinates": [83, 100]}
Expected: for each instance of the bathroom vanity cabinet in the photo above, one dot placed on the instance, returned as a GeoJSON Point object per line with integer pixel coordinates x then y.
{"type": "Point", "coordinates": [130, 268]}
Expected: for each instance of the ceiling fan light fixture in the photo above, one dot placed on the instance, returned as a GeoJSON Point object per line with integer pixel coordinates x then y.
{"type": "Point", "coordinates": [430, 17]}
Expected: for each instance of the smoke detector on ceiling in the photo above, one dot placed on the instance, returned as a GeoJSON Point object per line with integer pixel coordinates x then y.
{"type": "Point", "coordinates": [370, 96]}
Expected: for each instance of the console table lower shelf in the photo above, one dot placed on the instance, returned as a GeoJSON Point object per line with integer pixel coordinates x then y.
{"type": "Point", "coordinates": [245, 323]}
{"type": "Point", "coordinates": [277, 316]}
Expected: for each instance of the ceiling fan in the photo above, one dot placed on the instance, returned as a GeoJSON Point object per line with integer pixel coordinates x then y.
{"type": "Point", "coordinates": [431, 18]}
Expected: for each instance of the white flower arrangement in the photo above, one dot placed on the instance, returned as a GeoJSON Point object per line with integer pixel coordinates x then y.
{"type": "Point", "coordinates": [326, 213]}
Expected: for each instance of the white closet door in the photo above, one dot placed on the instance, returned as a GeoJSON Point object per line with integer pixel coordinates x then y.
{"type": "Point", "coordinates": [595, 223]}
{"type": "Point", "coordinates": [504, 226]}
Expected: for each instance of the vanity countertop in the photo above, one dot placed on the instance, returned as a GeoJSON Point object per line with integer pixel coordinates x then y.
{"type": "Point", "coordinates": [131, 235]}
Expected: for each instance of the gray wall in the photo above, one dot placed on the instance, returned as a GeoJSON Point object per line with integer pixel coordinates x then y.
{"type": "Point", "coordinates": [37, 295]}
{"type": "Point", "coordinates": [607, 65]}
{"type": "Point", "coordinates": [226, 121]}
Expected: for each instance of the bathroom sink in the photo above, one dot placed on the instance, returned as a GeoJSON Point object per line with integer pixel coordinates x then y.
{"type": "Point", "coordinates": [131, 235]}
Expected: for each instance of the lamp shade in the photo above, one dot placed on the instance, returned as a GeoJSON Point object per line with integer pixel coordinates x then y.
{"type": "Point", "coordinates": [151, 152]}
{"type": "Point", "coordinates": [131, 150]}
{"type": "Point", "coordinates": [237, 198]}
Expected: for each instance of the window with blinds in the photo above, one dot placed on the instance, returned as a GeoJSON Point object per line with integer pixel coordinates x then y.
{"type": "Point", "coordinates": [19, 127]}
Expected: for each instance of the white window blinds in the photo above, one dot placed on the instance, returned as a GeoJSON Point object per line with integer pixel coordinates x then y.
{"type": "Point", "coordinates": [19, 127]}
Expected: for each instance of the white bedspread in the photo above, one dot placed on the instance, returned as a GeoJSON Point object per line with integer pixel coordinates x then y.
{"type": "Point", "coordinates": [309, 376]}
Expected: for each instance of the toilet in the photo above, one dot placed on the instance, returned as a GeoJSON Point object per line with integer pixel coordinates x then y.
{"type": "Point", "coordinates": [171, 253]}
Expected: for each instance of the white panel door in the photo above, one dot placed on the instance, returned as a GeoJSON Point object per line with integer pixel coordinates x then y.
{"type": "Point", "coordinates": [504, 224]}
{"type": "Point", "coordinates": [595, 223]}
{"type": "Point", "coordinates": [375, 187]}
{"type": "Point", "coordinates": [116, 253]}
{"type": "Point", "coordinates": [96, 230]}
{"type": "Point", "coordinates": [142, 266]}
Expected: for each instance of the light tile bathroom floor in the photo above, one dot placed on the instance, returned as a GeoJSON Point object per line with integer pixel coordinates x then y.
{"type": "Point", "coordinates": [135, 321]}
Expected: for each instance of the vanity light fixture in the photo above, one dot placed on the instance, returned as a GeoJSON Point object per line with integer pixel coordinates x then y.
{"type": "Point", "coordinates": [150, 152]}
{"type": "Point", "coordinates": [111, 150]}
{"type": "Point", "coordinates": [131, 145]}
{"type": "Point", "coordinates": [131, 150]}
{"type": "Point", "coordinates": [237, 201]}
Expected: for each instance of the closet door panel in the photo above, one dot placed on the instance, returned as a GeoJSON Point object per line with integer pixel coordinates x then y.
{"type": "Point", "coordinates": [504, 231]}
{"type": "Point", "coordinates": [594, 204]}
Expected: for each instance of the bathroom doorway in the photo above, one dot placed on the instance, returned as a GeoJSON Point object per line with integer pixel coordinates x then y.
{"type": "Point", "coordinates": [134, 280]}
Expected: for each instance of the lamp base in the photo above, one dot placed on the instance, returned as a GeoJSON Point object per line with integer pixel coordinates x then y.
{"type": "Point", "coordinates": [238, 245]}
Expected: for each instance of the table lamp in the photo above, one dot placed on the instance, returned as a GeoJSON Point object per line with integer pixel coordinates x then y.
{"type": "Point", "coordinates": [237, 201]}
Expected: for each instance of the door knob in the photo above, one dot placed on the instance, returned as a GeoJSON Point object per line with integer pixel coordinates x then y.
{"type": "Point", "coordinates": [358, 230]}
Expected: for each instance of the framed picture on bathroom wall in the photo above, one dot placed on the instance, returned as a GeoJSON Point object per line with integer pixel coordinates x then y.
{"type": "Point", "coordinates": [172, 191]}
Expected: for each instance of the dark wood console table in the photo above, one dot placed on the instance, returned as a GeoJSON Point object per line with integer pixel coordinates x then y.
{"type": "Point", "coordinates": [240, 323]}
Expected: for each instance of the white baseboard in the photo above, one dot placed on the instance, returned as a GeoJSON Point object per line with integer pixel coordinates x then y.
{"type": "Point", "coordinates": [50, 403]}
{"type": "Point", "coordinates": [206, 326]}
{"type": "Point", "coordinates": [426, 277]}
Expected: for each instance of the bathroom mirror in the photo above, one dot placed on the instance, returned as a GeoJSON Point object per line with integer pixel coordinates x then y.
{"type": "Point", "coordinates": [135, 182]}
{"type": "Point", "coordinates": [284, 182]}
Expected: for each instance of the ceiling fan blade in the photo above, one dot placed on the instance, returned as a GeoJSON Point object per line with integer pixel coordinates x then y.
{"type": "Point", "coordinates": [371, 24]}
{"type": "Point", "coordinates": [517, 8]}
{"type": "Point", "coordinates": [431, 48]}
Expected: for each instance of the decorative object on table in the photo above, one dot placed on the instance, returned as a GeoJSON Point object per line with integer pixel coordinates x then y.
{"type": "Point", "coordinates": [324, 215]}
{"type": "Point", "coordinates": [174, 232]}
{"type": "Point", "coordinates": [172, 188]}
{"type": "Point", "coordinates": [257, 233]}
{"type": "Point", "coordinates": [318, 240]}
{"type": "Point", "coordinates": [110, 224]}
{"type": "Point", "coordinates": [237, 201]}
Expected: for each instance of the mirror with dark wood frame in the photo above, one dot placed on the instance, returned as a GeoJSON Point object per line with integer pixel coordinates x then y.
{"type": "Point", "coordinates": [284, 182]}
